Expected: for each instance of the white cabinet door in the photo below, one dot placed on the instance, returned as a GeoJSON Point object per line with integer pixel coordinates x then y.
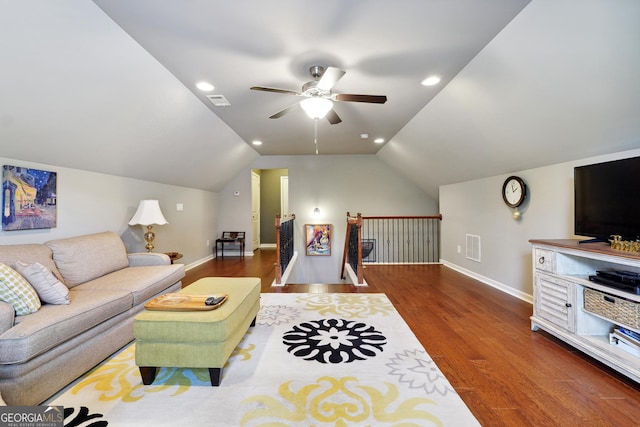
{"type": "Point", "coordinates": [554, 301]}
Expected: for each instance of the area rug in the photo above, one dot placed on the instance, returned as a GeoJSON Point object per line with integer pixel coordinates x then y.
{"type": "Point", "coordinates": [311, 360]}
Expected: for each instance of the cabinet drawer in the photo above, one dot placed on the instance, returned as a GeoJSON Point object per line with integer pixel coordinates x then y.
{"type": "Point", "coordinates": [554, 301]}
{"type": "Point", "coordinates": [544, 260]}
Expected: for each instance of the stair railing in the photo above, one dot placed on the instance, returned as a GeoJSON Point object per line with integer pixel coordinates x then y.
{"type": "Point", "coordinates": [352, 256]}
{"type": "Point", "coordinates": [389, 240]}
{"type": "Point", "coordinates": [401, 239]}
{"type": "Point", "coordinates": [284, 245]}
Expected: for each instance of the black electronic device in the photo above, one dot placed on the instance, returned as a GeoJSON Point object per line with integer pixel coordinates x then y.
{"type": "Point", "coordinates": [215, 300]}
{"type": "Point", "coordinates": [626, 281]}
{"type": "Point", "coordinates": [606, 199]}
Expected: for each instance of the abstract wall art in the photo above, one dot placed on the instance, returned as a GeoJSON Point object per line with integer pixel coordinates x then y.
{"type": "Point", "coordinates": [318, 239]}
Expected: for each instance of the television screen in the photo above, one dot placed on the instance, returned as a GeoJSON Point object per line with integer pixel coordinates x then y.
{"type": "Point", "coordinates": [607, 199]}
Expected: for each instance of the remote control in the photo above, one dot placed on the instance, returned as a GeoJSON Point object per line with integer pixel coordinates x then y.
{"type": "Point", "coordinates": [213, 300]}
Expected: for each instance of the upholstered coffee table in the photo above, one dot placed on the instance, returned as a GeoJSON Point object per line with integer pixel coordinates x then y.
{"type": "Point", "coordinates": [197, 339]}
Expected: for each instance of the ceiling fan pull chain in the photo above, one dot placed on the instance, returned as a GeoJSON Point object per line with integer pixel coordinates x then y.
{"type": "Point", "coordinates": [315, 134]}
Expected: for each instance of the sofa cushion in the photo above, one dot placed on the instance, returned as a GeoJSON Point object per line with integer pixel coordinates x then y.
{"type": "Point", "coordinates": [142, 282]}
{"type": "Point", "coordinates": [84, 258]}
{"type": "Point", "coordinates": [54, 324]}
{"type": "Point", "coordinates": [7, 317]}
{"type": "Point", "coordinates": [10, 254]}
{"type": "Point", "coordinates": [15, 290]}
{"type": "Point", "coordinates": [49, 289]}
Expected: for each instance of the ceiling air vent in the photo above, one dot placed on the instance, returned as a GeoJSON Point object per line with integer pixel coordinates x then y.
{"type": "Point", "coordinates": [218, 100]}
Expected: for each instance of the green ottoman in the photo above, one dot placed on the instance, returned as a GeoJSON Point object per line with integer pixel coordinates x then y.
{"type": "Point", "coordinates": [197, 339]}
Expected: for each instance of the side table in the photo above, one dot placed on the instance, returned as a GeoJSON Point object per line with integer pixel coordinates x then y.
{"type": "Point", "coordinates": [173, 256]}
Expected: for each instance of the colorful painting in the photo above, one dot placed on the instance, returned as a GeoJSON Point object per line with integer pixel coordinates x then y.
{"type": "Point", "coordinates": [318, 239]}
{"type": "Point", "coordinates": [28, 198]}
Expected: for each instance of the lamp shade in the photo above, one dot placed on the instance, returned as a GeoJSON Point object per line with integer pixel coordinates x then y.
{"type": "Point", "coordinates": [316, 108]}
{"type": "Point", "coordinates": [148, 213]}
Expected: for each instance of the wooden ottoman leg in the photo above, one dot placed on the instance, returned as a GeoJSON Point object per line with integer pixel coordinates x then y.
{"type": "Point", "coordinates": [216, 376]}
{"type": "Point", "coordinates": [148, 374]}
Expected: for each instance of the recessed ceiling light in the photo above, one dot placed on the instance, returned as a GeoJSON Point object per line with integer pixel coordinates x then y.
{"type": "Point", "coordinates": [204, 86]}
{"type": "Point", "coordinates": [256, 142]}
{"type": "Point", "coordinates": [378, 140]}
{"type": "Point", "coordinates": [430, 81]}
{"type": "Point", "coordinates": [364, 135]}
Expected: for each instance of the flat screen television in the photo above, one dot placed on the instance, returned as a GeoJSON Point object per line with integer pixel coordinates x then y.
{"type": "Point", "coordinates": [607, 199]}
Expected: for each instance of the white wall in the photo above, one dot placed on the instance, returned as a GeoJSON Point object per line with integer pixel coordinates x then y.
{"type": "Point", "coordinates": [558, 83]}
{"type": "Point", "coordinates": [336, 185]}
{"type": "Point", "coordinates": [90, 202]}
{"type": "Point", "coordinates": [476, 207]}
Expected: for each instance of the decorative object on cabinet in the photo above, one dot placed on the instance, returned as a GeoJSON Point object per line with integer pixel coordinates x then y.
{"type": "Point", "coordinates": [624, 245]}
{"type": "Point", "coordinates": [148, 214]}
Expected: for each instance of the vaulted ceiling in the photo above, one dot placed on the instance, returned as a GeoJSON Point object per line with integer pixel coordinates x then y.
{"type": "Point", "coordinates": [109, 85]}
{"type": "Point", "coordinates": [385, 48]}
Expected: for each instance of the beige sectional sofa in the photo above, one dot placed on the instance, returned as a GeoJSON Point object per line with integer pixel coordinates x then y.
{"type": "Point", "coordinates": [42, 352]}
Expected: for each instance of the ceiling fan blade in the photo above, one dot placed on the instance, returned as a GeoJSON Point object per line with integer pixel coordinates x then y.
{"type": "Point", "coordinates": [333, 117]}
{"type": "Point", "coordinates": [375, 99]}
{"type": "Point", "coordinates": [285, 111]}
{"type": "Point", "coordinates": [330, 78]}
{"type": "Point", "coordinates": [273, 89]}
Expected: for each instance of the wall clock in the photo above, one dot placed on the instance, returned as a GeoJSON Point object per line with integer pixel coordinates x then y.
{"type": "Point", "coordinates": [514, 191]}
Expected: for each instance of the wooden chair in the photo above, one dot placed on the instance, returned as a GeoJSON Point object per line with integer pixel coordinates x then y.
{"type": "Point", "coordinates": [235, 237]}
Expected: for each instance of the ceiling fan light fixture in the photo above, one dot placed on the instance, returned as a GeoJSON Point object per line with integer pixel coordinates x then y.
{"type": "Point", "coordinates": [316, 108]}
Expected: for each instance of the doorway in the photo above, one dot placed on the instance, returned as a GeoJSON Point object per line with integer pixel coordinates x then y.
{"type": "Point", "coordinates": [284, 195]}
{"type": "Point", "coordinates": [274, 199]}
{"type": "Point", "coordinates": [255, 210]}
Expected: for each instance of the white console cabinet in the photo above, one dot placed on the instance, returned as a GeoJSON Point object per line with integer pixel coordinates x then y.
{"type": "Point", "coordinates": [561, 270]}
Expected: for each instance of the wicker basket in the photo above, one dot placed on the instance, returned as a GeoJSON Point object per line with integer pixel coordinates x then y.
{"type": "Point", "coordinates": [618, 310]}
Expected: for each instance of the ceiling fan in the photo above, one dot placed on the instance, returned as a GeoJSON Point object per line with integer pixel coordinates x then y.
{"type": "Point", "coordinates": [318, 102]}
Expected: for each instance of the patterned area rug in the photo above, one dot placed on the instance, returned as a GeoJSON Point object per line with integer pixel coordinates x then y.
{"type": "Point", "coordinates": [311, 360]}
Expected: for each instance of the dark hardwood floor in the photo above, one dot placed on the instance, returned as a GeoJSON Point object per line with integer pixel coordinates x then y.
{"type": "Point", "coordinates": [481, 340]}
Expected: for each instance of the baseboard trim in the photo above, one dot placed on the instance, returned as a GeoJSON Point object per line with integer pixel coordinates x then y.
{"type": "Point", "coordinates": [353, 276]}
{"type": "Point", "coordinates": [198, 262]}
{"type": "Point", "coordinates": [487, 281]}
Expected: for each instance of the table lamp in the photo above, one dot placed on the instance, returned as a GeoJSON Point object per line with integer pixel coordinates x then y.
{"type": "Point", "coordinates": [148, 214]}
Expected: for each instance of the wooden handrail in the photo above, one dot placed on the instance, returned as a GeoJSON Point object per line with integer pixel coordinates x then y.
{"type": "Point", "coordinates": [405, 217]}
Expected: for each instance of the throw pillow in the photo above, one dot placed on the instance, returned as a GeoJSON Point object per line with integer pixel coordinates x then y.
{"type": "Point", "coordinates": [49, 289]}
{"type": "Point", "coordinates": [15, 290]}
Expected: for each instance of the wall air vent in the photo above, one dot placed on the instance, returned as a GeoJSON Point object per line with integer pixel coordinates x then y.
{"type": "Point", "coordinates": [218, 100]}
{"type": "Point", "coordinates": [473, 247]}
